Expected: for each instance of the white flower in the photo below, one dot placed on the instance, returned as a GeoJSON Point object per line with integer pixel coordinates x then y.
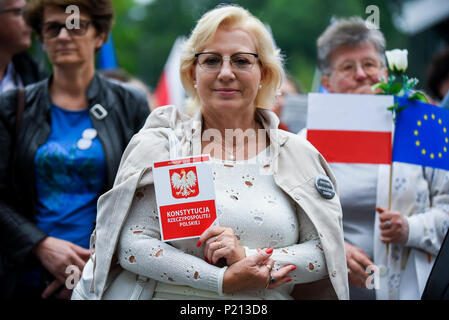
{"type": "Point", "coordinates": [397, 59]}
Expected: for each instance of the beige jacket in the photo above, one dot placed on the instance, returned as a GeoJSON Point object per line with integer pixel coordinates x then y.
{"type": "Point", "coordinates": [298, 166]}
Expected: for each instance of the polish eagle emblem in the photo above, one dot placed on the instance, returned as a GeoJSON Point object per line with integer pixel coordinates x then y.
{"type": "Point", "coordinates": [184, 182]}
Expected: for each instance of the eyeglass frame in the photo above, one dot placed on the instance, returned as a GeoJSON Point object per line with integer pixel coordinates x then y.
{"type": "Point", "coordinates": [17, 11]}
{"type": "Point", "coordinates": [64, 25]}
{"type": "Point", "coordinates": [223, 59]}
{"type": "Point", "coordinates": [340, 67]}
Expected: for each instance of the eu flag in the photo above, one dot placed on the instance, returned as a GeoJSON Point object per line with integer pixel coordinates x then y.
{"type": "Point", "coordinates": [421, 135]}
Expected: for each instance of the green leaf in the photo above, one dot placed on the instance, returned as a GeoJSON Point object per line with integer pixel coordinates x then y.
{"type": "Point", "coordinates": [400, 109]}
{"type": "Point", "coordinates": [381, 85]}
{"type": "Point", "coordinates": [395, 88]}
{"type": "Point", "coordinates": [393, 108]}
{"type": "Point", "coordinates": [418, 96]}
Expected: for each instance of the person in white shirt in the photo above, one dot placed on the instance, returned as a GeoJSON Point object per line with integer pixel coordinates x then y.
{"type": "Point", "coordinates": [351, 57]}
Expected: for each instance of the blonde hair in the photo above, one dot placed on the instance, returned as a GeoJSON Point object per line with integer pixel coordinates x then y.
{"type": "Point", "coordinates": [234, 17]}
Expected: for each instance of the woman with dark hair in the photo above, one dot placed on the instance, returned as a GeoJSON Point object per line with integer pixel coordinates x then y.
{"type": "Point", "coordinates": [62, 152]}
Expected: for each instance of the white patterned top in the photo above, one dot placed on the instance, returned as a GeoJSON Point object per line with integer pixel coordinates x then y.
{"type": "Point", "coordinates": [249, 202]}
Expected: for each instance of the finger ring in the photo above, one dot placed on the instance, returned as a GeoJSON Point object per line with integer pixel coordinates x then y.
{"type": "Point", "coordinates": [270, 280]}
{"type": "Point", "coordinates": [219, 245]}
{"type": "Point", "coordinates": [269, 267]}
{"type": "Point", "coordinates": [388, 224]}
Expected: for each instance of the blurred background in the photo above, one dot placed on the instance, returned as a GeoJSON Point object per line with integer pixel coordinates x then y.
{"type": "Point", "coordinates": [145, 32]}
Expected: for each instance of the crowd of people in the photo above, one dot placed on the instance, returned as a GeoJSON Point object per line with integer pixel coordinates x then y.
{"type": "Point", "coordinates": [77, 189]}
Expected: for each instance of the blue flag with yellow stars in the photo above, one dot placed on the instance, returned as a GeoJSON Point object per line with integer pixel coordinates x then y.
{"type": "Point", "coordinates": [421, 135]}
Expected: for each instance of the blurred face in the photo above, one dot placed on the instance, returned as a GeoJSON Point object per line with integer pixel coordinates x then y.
{"type": "Point", "coordinates": [354, 70]}
{"type": "Point", "coordinates": [65, 48]}
{"type": "Point", "coordinates": [233, 85]}
{"type": "Point", "coordinates": [15, 34]}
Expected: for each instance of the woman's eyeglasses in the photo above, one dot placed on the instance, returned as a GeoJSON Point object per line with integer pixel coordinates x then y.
{"type": "Point", "coordinates": [52, 29]}
{"type": "Point", "coordinates": [240, 61]}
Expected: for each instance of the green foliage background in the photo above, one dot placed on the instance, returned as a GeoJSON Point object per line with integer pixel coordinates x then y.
{"type": "Point", "coordinates": [144, 33]}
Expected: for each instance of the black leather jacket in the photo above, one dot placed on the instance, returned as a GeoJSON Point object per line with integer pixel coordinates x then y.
{"type": "Point", "coordinates": [27, 68]}
{"type": "Point", "coordinates": [127, 110]}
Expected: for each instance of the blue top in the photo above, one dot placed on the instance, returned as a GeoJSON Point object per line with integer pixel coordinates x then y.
{"type": "Point", "coordinates": [70, 176]}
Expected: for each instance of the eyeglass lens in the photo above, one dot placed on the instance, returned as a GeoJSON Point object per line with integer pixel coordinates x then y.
{"type": "Point", "coordinates": [52, 29]}
{"type": "Point", "coordinates": [214, 61]}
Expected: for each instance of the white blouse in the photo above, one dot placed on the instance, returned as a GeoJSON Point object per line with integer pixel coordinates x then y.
{"type": "Point", "coordinates": [249, 202]}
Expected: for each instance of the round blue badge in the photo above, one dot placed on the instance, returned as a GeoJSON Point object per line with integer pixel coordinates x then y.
{"type": "Point", "coordinates": [325, 187]}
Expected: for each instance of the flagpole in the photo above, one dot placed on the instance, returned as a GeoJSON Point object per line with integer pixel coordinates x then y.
{"type": "Point", "coordinates": [387, 245]}
{"type": "Point", "coordinates": [390, 187]}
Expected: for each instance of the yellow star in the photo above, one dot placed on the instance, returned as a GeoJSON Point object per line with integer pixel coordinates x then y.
{"type": "Point", "coordinates": [419, 123]}
{"type": "Point", "coordinates": [447, 140]}
{"type": "Point", "coordinates": [418, 143]}
{"type": "Point", "coordinates": [423, 151]}
{"type": "Point", "coordinates": [433, 116]}
{"type": "Point", "coordinates": [432, 156]}
{"type": "Point", "coordinates": [440, 121]}
{"type": "Point", "coordinates": [440, 155]}
{"type": "Point", "coordinates": [445, 149]}
{"type": "Point", "coordinates": [425, 117]}
{"type": "Point", "coordinates": [444, 130]}
{"type": "Point", "coordinates": [416, 132]}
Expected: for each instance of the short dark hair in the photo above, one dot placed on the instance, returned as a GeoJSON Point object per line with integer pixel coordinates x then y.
{"type": "Point", "coordinates": [437, 72]}
{"type": "Point", "coordinates": [100, 11]}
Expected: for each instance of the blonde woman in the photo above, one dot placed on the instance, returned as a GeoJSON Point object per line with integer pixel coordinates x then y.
{"type": "Point", "coordinates": [276, 228]}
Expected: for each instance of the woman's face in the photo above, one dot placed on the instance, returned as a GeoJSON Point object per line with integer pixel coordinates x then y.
{"type": "Point", "coordinates": [354, 70]}
{"type": "Point", "coordinates": [69, 47]}
{"type": "Point", "coordinates": [229, 88]}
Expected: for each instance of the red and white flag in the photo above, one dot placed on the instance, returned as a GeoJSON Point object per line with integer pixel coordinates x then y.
{"type": "Point", "coordinates": [169, 89]}
{"type": "Point", "coordinates": [349, 128]}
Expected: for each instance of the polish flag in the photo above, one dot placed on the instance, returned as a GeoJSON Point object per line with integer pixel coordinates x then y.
{"type": "Point", "coordinates": [349, 128]}
{"type": "Point", "coordinates": [169, 89]}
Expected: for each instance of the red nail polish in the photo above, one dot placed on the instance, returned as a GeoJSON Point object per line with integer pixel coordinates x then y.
{"type": "Point", "coordinates": [288, 280]}
{"type": "Point", "coordinates": [293, 268]}
{"type": "Point", "coordinates": [198, 244]}
{"type": "Point", "coordinates": [269, 250]}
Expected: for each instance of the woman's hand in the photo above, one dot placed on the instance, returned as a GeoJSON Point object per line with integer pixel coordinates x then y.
{"type": "Point", "coordinates": [358, 261]}
{"type": "Point", "coordinates": [393, 225]}
{"type": "Point", "coordinates": [254, 273]}
{"type": "Point", "coordinates": [220, 242]}
{"type": "Point", "coordinates": [56, 255]}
